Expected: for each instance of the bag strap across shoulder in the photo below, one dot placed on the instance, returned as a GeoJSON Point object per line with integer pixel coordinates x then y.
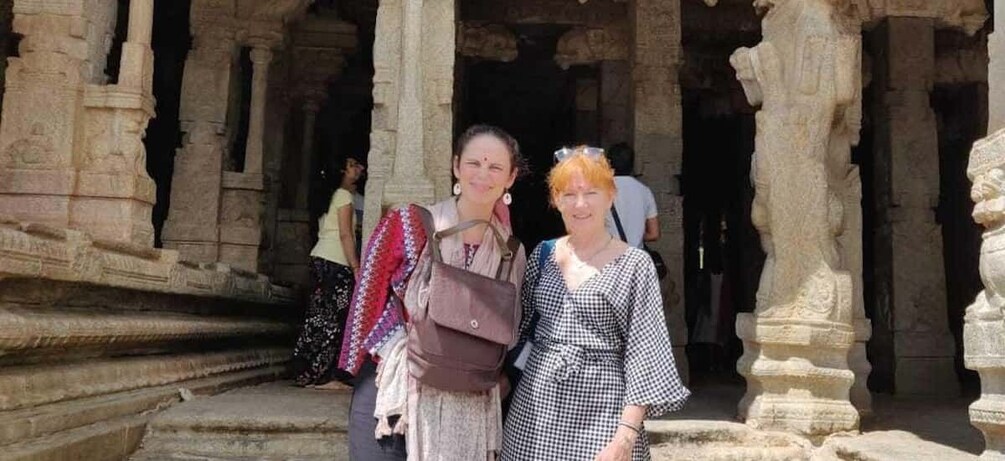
{"type": "Point", "coordinates": [509, 246]}
{"type": "Point", "coordinates": [617, 221]}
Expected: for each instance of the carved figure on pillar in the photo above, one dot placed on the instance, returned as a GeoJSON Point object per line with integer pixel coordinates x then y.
{"type": "Point", "coordinates": [985, 318]}
{"type": "Point", "coordinates": [804, 75]}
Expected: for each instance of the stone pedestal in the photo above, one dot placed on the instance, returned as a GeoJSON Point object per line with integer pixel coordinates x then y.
{"type": "Point", "coordinates": [911, 274]}
{"type": "Point", "coordinates": [797, 342]}
{"type": "Point", "coordinates": [657, 136]}
{"type": "Point", "coordinates": [241, 209]}
{"type": "Point", "coordinates": [71, 151]}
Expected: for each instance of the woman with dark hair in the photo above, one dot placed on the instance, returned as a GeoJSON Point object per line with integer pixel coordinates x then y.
{"type": "Point", "coordinates": [388, 402]}
{"type": "Point", "coordinates": [333, 268]}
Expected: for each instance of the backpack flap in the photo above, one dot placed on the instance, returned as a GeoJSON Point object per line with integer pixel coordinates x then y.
{"type": "Point", "coordinates": [471, 303]}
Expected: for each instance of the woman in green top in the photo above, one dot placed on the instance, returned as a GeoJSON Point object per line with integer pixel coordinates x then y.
{"type": "Point", "coordinates": [334, 264]}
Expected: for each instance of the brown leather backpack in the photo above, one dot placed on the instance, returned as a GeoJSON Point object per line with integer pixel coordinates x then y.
{"type": "Point", "coordinates": [461, 341]}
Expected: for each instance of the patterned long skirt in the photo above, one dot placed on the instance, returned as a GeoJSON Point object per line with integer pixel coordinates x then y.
{"type": "Point", "coordinates": [315, 357]}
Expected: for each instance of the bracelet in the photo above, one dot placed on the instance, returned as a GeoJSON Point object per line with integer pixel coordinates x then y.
{"type": "Point", "coordinates": [634, 428]}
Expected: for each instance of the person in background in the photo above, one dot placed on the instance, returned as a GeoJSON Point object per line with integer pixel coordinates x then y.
{"type": "Point", "coordinates": [635, 202]}
{"type": "Point", "coordinates": [334, 264]}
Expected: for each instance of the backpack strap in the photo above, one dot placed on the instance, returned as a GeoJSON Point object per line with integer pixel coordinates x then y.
{"type": "Point", "coordinates": [617, 221]}
{"type": "Point", "coordinates": [433, 237]}
{"type": "Point", "coordinates": [547, 248]}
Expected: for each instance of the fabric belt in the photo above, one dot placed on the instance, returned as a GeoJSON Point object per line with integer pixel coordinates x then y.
{"type": "Point", "coordinates": [571, 358]}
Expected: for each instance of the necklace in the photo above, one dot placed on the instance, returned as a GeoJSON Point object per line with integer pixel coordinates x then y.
{"type": "Point", "coordinates": [583, 261]}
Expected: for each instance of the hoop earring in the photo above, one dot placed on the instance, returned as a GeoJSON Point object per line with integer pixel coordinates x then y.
{"type": "Point", "coordinates": [507, 198]}
{"type": "Point", "coordinates": [457, 188]}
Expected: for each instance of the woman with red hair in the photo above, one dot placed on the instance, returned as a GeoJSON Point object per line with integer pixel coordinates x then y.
{"type": "Point", "coordinates": [601, 359]}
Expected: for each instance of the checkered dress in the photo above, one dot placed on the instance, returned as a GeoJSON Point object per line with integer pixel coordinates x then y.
{"type": "Point", "coordinates": [596, 349]}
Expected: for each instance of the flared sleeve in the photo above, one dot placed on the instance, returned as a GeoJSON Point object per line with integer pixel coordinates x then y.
{"type": "Point", "coordinates": [651, 377]}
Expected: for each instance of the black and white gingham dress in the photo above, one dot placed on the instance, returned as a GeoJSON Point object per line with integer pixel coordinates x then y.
{"type": "Point", "coordinates": [596, 349]}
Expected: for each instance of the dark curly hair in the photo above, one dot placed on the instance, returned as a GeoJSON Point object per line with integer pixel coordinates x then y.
{"type": "Point", "coordinates": [516, 158]}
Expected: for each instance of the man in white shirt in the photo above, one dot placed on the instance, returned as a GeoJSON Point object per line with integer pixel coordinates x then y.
{"type": "Point", "coordinates": [635, 202]}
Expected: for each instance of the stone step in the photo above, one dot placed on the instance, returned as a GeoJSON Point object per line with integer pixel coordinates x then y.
{"type": "Point", "coordinates": [698, 440]}
{"type": "Point", "coordinates": [268, 422]}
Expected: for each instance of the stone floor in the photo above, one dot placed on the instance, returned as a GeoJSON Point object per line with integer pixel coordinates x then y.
{"type": "Point", "coordinates": [942, 421]}
{"type": "Point", "coordinates": [279, 421]}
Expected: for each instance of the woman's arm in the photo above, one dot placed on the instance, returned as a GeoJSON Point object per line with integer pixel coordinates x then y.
{"type": "Point", "coordinates": [652, 232]}
{"type": "Point", "coordinates": [347, 235]}
{"type": "Point", "coordinates": [628, 432]}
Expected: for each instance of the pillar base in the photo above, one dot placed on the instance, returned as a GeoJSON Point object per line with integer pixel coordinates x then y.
{"type": "Point", "coordinates": [797, 375]}
{"type": "Point", "coordinates": [293, 247]}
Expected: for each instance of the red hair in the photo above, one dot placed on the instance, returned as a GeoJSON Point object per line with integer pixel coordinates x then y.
{"type": "Point", "coordinates": [596, 171]}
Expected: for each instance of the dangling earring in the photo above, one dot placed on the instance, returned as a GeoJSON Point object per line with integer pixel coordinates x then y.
{"type": "Point", "coordinates": [507, 198]}
{"type": "Point", "coordinates": [457, 188]}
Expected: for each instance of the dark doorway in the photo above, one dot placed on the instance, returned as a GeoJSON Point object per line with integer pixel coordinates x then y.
{"type": "Point", "coordinates": [534, 100]}
{"type": "Point", "coordinates": [722, 257]}
{"type": "Point", "coordinates": [171, 43]}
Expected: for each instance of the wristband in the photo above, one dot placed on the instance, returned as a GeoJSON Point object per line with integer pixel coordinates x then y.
{"type": "Point", "coordinates": [637, 430]}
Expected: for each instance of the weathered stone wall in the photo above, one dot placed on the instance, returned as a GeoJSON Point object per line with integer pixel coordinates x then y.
{"type": "Point", "coordinates": [95, 335]}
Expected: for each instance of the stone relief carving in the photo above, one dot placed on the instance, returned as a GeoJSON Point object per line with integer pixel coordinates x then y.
{"type": "Point", "coordinates": [590, 45]}
{"type": "Point", "coordinates": [34, 152]}
{"type": "Point", "coordinates": [985, 318]}
{"type": "Point", "coordinates": [805, 76]}
{"type": "Point", "coordinates": [489, 41]}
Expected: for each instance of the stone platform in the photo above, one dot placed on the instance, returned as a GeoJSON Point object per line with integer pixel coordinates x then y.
{"type": "Point", "coordinates": [274, 421]}
{"type": "Point", "coordinates": [277, 421]}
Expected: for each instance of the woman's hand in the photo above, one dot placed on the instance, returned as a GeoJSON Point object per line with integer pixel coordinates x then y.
{"type": "Point", "coordinates": [619, 448]}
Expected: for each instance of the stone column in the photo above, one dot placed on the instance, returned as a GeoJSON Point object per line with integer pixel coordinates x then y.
{"type": "Point", "coordinates": [294, 224]}
{"type": "Point", "coordinates": [192, 225]}
{"type": "Point", "coordinates": [261, 57]}
{"type": "Point", "coordinates": [242, 200]}
{"type": "Point", "coordinates": [41, 127]}
{"type": "Point", "coordinates": [412, 132]}
{"type": "Point", "coordinates": [910, 281]}
{"type": "Point", "coordinates": [806, 77]}
{"type": "Point", "coordinates": [984, 325]}
{"type": "Point", "coordinates": [657, 135]}
{"type": "Point", "coordinates": [307, 155]}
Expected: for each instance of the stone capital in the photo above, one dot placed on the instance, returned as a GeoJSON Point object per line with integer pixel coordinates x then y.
{"type": "Point", "coordinates": [261, 56]}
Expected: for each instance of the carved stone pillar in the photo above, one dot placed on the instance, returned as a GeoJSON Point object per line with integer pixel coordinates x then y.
{"type": "Point", "coordinates": [307, 154]}
{"type": "Point", "coordinates": [984, 325]}
{"type": "Point", "coordinates": [657, 135]}
{"type": "Point", "coordinates": [192, 225]}
{"type": "Point", "coordinates": [910, 279]}
{"type": "Point", "coordinates": [805, 75]}
{"type": "Point", "coordinates": [261, 57]}
{"type": "Point", "coordinates": [42, 104]}
{"type": "Point", "coordinates": [71, 151]}
{"type": "Point", "coordinates": [413, 95]}
{"type": "Point", "coordinates": [242, 198]}
{"type": "Point", "coordinates": [294, 224]}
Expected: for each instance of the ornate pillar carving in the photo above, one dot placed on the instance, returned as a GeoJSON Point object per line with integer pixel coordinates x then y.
{"type": "Point", "coordinates": [984, 326]}
{"type": "Point", "coordinates": [805, 75]}
{"type": "Point", "coordinates": [412, 130]}
{"type": "Point", "coordinates": [71, 151]}
{"type": "Point", "coordinates": [657, 135]}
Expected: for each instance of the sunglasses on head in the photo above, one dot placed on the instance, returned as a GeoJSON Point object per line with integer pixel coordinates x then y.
{"type": "Point", "coordinates": [589, 151]}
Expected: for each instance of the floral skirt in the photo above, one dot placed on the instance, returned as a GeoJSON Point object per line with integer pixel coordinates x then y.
{"type": "Point", "coordinates": [315, 357]}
